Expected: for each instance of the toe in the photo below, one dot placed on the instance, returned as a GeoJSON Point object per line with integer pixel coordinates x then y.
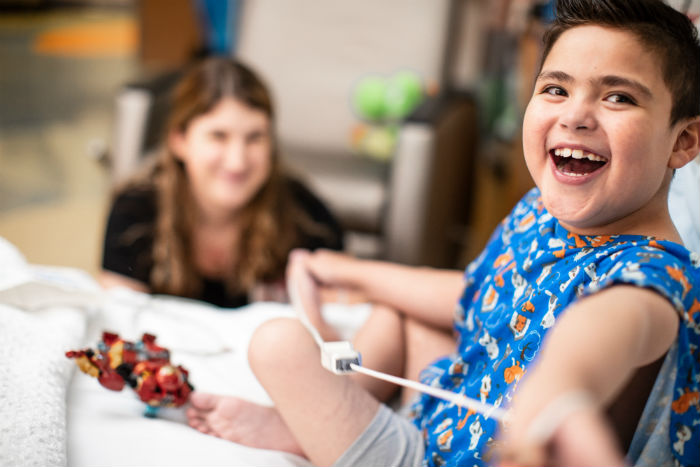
{"type": "Point", "coordinates": [202, 401]}
{"type": "Point", "coordinates": [196, 423]}
{"type": "Point", "coordinates": [193, 414]}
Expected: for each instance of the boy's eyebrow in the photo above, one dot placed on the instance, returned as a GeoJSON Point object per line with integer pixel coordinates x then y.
{"type": "Point", "coordinates": [613, 80]}
{"type": "Point", "coordinates": [608, 81]}
{"type": "Point", "coordinates": [556, 76]}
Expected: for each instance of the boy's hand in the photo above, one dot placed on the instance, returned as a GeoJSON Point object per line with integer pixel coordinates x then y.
{"type": "Point", "coordinates": [330, 268]}
{"type": "Point", "coordinates": [333, 273]}
{"type": "Point", "coordinates": [576, 433]}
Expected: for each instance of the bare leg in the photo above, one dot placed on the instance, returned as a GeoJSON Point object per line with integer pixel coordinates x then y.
{"type": "Point", "coordinates": [423, 344]}
{"type": "Point", "coordinates": [381, 343]}
{"type": "Point", "coordinates": [316, 412]}
{"type": "Point", "coordinates": [325, 412]}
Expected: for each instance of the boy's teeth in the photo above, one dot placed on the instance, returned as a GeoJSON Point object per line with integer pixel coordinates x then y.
{"type": "Point", "coordinates": [578, 154]}
{"type": "Point", "coordinates": [573, 174]}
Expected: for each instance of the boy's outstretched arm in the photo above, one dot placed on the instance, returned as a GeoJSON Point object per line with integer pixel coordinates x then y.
{"type": "Point", "coordinates": [426, 294]}
{"type": "Point", "coordinates": [591, 353]}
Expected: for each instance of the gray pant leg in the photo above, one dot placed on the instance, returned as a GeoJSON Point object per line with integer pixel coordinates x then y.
{"type": "Point", "coordinates": [389, 440]}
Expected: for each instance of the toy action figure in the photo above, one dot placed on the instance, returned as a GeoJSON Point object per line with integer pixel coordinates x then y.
{"type": "Point", "coordinates": [144, 366]}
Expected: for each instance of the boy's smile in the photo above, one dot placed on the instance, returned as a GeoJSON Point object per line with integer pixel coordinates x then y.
{"type": "Point", "coordinates": [597, 135]}
{"type": "Point", "coordinates": [576, 162]}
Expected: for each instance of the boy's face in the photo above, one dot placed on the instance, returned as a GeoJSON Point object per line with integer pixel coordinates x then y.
{"type": "Point", "coordinates": [596, 132]}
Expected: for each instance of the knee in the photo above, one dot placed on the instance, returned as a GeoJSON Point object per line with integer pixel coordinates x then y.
{"type": "Point", "coordinates": [388, 313]}
{"type": "Point", "coordinates": [278, 344]}
{"type": "Point", "coordinates": [417, 330]}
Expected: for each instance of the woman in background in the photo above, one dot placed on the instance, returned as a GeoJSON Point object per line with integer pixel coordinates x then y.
{"type": "Point", "coordinates": [214, 217]}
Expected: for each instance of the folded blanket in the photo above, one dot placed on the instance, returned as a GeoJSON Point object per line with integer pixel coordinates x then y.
{"type": "Point", "coordinates": [34, 372]}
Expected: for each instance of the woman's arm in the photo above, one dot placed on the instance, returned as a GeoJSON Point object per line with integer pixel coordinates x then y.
{"type": "Point", "coordinates": [427, 294]}
{"type": "Point", "coordinates": [109, 279]}
{"type": "Point", "coordinates": [593, 349]}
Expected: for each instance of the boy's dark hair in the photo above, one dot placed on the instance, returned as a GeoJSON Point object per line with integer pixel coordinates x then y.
{"type": "Point", "coordinates": [668, 33]}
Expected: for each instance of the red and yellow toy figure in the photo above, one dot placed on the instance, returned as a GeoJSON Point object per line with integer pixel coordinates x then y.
{"type": "Point", "coordinates": [144, 366]}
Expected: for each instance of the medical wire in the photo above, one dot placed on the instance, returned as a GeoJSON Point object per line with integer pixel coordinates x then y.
{"type": "Point", "coordinates": [490, 411]}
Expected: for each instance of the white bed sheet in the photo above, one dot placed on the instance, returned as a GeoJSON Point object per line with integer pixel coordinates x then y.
{"type": "Point", "coordinates": [52, 414]}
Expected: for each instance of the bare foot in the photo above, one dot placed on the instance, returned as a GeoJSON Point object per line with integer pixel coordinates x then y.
{"type": "Point", "coordinates": [240, 421]}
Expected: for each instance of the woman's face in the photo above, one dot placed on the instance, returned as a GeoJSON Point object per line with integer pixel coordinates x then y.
{"type": "Point", "coordinates": [227, 154]}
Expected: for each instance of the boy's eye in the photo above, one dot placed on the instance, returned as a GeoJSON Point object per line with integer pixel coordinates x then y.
{"type": "Point", "coordinates": [554, 91]}
{"type": "Point", "coordinates": [620, 99]}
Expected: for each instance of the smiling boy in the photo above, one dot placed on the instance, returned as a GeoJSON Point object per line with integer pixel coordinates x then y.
{"type": "Point", "coordinates": [594, 139]}
{"type": "Point", "coordinates": [602, 135]}
{"type": "Point", "coordinates": [569, 310]}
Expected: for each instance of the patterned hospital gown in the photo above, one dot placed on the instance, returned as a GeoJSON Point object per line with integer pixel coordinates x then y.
{"type": "Point", "coordinates": [530, 271]}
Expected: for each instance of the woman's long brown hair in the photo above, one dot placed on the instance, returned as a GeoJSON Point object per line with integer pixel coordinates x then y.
{"type": "Point", "coordinates": [270, 221]}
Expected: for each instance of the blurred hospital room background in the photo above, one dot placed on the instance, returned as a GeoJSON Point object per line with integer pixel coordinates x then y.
{"type": "Point", "coordinates": [404, 115]}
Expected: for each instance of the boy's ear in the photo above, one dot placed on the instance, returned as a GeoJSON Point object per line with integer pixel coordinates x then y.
{"type": "Point", "coordinates": [687, 145]}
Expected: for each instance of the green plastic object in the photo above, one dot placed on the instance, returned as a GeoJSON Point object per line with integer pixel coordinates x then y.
{"type": "Point", "coordinates": [378, 99]}
{"type": "Point", "coordinates": [370, 98]}
{"type": "Point", "coordinates": [404, 93]}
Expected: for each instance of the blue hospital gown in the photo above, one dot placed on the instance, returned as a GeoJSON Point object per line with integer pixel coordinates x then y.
{"type": "Point", "coordinates": [530, 271]}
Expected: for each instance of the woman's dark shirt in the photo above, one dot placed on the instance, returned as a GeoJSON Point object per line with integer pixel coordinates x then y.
{"type": "Point", "coordinates": [128, 243]}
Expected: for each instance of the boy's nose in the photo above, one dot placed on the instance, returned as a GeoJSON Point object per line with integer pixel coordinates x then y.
{"type": "Point", "coordinates": [579, 115]}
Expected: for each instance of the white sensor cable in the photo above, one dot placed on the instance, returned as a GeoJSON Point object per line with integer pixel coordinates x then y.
{"type": "Point", "coordinates": [301, 313]}
{"type": "Point", "coordinates": [488, 410]}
